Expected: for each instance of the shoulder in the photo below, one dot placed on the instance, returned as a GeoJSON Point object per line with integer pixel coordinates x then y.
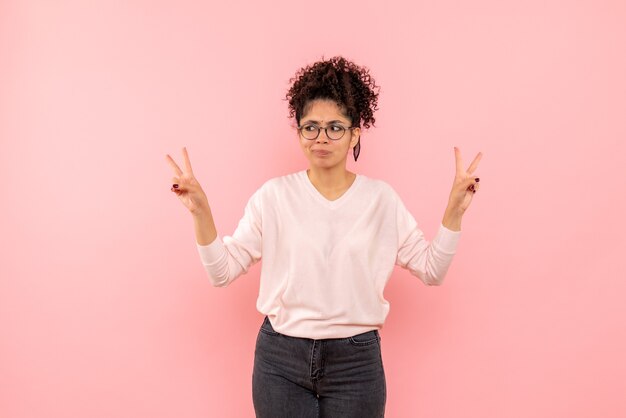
{"type": "Point", "coordinates": [285, 181]}
{"type": "Point", "coordinates": [378, 186]}
{"type": "Point", "coordinates": [280, 184]}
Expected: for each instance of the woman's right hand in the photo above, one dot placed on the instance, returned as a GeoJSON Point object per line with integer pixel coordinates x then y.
{"type": "Point", "coordinates": [189, 191]}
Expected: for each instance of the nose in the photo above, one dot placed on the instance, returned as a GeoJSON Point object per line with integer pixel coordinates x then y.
{"type": "Point", "coordinates": [319, 137]}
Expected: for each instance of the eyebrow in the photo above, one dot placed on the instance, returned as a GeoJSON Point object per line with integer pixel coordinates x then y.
{"type": "Point", "coordinates": [332, 121]}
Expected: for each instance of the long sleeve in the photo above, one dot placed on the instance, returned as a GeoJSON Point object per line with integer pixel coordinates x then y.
{"type": "Point", "coordinates": [228, 258]}
{"type": "Point", "coordinates": [429, 261]}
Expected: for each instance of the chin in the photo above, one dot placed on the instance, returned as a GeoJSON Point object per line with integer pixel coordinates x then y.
{"type": "Point", "coordinates": [321, 162]}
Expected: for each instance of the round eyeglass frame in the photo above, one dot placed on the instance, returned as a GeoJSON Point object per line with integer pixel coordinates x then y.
{"type": "Point", "coordinates": [319, 129]}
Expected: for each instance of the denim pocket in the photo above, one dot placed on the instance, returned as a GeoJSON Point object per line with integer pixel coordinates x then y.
{"type": "Point", "coordinates": [365, 338]}
{"type": "Point", "coordinates": [266, 327]}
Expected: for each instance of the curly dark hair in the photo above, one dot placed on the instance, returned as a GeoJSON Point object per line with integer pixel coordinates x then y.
{"type": "Point", "coordinates": [340, 80]}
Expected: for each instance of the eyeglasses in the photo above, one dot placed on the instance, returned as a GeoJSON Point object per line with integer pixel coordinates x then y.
{"type": "Point", "coordinates": [311, 131]}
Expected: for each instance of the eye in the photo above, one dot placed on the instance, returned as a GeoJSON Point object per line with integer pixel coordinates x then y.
{"type": "Point", "coordinates": [309, 128]}
{"type": "Point", "coordinates": [336, 128]}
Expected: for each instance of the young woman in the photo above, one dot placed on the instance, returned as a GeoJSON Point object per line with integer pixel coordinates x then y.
{"type": "Point", "coordinates": [329, 239]}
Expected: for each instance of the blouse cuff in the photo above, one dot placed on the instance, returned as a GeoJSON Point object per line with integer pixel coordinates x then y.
{"type": "Point", "coordinates": [212, 252]}
{"type": "Point", "coordinates": [446, 239]}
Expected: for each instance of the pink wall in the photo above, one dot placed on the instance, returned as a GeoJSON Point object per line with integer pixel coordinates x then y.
{"type": "Point", "coordinates": [105, 310]}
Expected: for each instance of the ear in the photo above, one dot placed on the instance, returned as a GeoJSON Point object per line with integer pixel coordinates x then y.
{"type": "Point", "coordinates": [356, 135]}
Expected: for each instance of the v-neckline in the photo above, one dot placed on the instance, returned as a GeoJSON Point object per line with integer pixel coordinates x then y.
{"type": "Point", "coordinates": [322, 199]}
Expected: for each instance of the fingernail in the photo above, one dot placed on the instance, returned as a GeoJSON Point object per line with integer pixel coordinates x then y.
{"type": "Point", "coordinates": [175, 186]}
{"type": "Point", "coordinates": [477, 179]}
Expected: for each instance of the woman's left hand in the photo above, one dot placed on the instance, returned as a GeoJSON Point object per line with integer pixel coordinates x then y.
{"type": "Point", "coordinates": [465, 185]}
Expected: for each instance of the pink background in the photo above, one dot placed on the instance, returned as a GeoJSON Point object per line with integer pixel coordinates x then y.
{"type": "Point", "coordinates": [105, 309]}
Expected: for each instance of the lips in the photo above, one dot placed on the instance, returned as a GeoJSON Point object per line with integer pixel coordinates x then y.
{"type": "Point", "coordinates": [321, 153]}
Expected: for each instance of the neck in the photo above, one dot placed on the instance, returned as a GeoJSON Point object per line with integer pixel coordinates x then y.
{"type": "Point", "coordinates": [334, 178]}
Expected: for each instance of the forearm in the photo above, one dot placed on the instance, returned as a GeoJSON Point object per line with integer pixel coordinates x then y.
{"type": "Point", "coordinates": [452, 219]}
{"type": "Point", "coordinates": [204, 227]}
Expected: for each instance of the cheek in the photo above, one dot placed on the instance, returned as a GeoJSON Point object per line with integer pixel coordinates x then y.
{"type": "Point", "coordinates": [305, 147]}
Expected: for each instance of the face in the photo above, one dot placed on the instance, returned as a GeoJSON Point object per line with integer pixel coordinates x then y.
{"type": "Point", "coordinates": [324, 152]}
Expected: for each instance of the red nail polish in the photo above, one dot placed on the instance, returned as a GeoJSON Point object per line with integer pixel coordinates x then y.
{"type": "Point", "coordinates": [175, 186]}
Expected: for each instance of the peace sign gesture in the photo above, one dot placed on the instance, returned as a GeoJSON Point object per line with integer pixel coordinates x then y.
{"type": "Point", "coordinates": [465, 185]}
{"type": "Point", "coordinates": [186, 187]}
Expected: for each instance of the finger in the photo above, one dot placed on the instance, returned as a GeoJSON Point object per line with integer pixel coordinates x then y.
{"type": "Point", "coordinates": [470, 183]}
{"type": "Point", "coordinates": [187, 161]}
{"type": "Point", "coordinates": [474, 163]}
{"type": "Point", "coordinates": [459, 160]}
{"type": "Point", "coordinates": [473, 187]}
{"type": "Point", "coordinates": [176, 183]}
{"type": "Point", "coordinates": [175, 166]}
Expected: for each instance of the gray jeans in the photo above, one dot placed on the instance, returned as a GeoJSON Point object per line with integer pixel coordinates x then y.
{"type": "Point", "coordinates": [326, 378]}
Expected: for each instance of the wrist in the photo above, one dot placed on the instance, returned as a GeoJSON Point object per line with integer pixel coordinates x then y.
{"type": "Point", "coordinates": [452, 219]}
{"type": "Point", "coordinates": [202, 211]}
